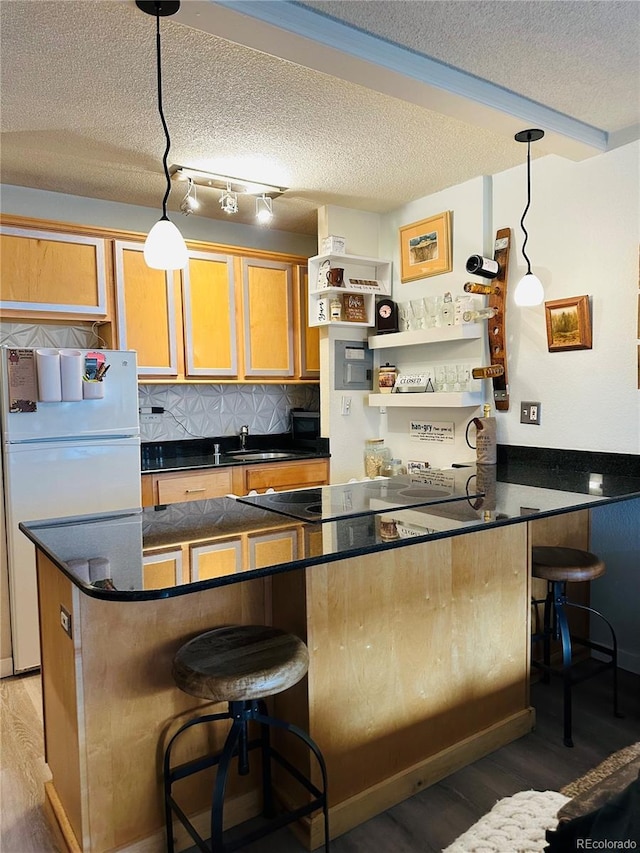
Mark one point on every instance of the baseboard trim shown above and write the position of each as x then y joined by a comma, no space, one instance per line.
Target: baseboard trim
390,792
6,667
58,821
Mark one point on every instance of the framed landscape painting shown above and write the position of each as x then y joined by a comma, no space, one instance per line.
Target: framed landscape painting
568,324
425,247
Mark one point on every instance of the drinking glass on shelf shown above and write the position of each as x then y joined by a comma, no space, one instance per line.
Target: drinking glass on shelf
440,382
463,374
450,377
435,310
404,316
417,312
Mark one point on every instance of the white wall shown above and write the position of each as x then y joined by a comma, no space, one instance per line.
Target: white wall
584,229
23,201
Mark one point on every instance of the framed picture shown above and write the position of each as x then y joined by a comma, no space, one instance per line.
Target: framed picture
425,247
568,324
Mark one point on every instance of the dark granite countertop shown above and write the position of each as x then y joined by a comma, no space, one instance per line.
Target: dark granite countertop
184,455
104,555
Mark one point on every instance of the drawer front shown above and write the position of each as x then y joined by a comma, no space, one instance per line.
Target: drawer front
287,475
194,487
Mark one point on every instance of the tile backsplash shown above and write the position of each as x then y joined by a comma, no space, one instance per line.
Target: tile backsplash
195,411
191,411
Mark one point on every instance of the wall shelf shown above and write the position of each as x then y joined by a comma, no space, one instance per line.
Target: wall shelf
466,331
453,400
355,267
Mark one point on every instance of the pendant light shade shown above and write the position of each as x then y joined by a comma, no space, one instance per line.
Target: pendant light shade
164,248
529,290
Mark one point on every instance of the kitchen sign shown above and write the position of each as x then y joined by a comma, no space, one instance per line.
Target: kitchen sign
433,432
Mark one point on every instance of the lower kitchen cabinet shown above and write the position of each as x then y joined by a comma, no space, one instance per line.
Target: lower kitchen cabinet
203,483
215,559
196,485
161,569
285,475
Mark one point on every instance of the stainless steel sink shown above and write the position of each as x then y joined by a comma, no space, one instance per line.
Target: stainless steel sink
249,455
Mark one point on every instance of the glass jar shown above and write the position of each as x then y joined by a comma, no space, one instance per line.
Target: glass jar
376,455
392,468
387,375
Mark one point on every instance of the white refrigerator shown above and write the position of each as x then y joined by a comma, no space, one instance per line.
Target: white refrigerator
64,458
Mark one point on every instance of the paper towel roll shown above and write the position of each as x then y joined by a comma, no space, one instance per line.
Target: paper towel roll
99,569
71,367
49,378
80,567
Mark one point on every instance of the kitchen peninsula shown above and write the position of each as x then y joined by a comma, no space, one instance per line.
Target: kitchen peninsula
413,598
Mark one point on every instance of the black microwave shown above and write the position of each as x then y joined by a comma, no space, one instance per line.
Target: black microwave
305,425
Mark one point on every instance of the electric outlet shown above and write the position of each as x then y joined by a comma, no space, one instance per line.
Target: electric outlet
65,620
150,418
530,413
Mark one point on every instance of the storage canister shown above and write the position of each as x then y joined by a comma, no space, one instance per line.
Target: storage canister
386,378
376,456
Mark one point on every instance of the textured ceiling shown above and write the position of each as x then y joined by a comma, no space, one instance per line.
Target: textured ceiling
79,110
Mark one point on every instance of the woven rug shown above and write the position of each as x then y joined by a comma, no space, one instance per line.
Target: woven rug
515,824
610,765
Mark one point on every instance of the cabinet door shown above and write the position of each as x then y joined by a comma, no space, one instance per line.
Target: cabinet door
216,559
268,317
269,549
146,311
55,273
161,570
309,335
209,315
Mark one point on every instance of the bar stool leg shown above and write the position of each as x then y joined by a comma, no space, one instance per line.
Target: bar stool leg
268,807
231,743
549,616
565,639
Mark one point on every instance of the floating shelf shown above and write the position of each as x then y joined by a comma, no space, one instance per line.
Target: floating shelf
355,266
441,400
466,331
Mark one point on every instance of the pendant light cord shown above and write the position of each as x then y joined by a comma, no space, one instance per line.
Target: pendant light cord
164,123
526,235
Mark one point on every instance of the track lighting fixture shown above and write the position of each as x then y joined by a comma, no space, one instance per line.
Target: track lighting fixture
190,201
264,210
164,248
228,200
529,290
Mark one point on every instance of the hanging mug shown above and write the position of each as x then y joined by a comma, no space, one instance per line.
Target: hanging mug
335,277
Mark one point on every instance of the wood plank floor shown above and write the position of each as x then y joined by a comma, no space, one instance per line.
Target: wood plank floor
426,823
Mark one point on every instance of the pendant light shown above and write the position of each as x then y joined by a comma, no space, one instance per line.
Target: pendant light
529,290
164,248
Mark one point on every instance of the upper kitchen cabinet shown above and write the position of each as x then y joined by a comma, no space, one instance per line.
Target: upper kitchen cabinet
267,309
147,319
208,299
186,330
309,335
48,273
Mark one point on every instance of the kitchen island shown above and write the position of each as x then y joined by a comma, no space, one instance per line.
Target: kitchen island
413,598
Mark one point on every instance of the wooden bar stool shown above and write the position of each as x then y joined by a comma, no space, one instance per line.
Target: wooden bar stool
241,665
560,566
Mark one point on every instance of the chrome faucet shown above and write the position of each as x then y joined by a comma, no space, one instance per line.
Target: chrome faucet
244,432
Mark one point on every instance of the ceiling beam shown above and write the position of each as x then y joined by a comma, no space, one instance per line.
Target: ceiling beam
297,34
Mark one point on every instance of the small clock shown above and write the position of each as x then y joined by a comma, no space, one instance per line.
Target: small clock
386,316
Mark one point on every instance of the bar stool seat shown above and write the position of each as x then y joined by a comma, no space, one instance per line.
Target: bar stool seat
241,665
560,566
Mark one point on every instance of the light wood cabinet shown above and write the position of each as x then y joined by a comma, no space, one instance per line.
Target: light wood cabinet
196,485
285,475
309,335
161,569
202,483
215,559
54,273
147,320
267,303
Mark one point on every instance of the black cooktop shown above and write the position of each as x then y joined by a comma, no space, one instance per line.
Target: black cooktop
332,503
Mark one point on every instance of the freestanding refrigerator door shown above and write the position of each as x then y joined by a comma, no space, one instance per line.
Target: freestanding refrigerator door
53,480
